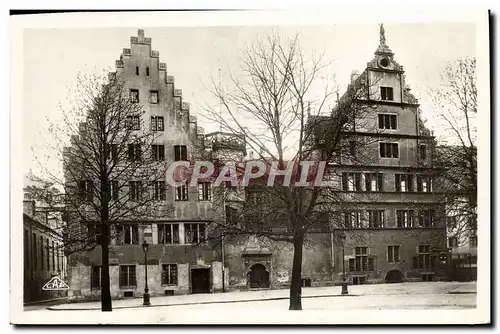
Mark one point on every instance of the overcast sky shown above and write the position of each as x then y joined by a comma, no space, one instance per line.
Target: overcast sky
54,57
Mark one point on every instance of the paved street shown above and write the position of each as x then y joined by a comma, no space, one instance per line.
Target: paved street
258,305
423,290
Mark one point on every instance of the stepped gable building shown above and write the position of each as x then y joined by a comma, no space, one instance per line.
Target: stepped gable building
175,265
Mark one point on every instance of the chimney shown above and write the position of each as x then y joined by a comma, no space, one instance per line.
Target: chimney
354,76
140,35
29,208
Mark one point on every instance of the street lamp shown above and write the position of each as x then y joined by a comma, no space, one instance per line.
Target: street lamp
344,281
146,290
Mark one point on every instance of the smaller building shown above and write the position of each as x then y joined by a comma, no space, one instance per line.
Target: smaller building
43,254
462,241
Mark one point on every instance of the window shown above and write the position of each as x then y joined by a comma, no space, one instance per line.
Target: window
47,247
180,153
351,181
352,148
127,234
58,257
426,218
153,96
424,183
114,190
359,280
451,222
94,231
158,152
159,190
204,191
387,121
389,150
352,219
133,123
473,241
134,152
169,274
404,182
452,242
361,261
147,71
85,190
26,247
135,190
113,152
392,254
134,93
423,258
405,218
181,193
95,277
34,251
128,294
157,123
374,181
127,276
137,70
376,218
422,151
53,255
386,93
42,260
168,233
427,277
194,233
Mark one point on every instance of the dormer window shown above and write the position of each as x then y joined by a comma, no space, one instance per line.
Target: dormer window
386,93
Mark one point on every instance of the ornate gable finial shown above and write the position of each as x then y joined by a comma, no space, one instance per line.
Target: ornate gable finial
382,34
383,48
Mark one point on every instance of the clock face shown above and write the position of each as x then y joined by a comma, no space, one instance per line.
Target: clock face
384,62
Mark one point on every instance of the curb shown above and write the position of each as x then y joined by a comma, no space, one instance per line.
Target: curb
462,292
196,303
44,301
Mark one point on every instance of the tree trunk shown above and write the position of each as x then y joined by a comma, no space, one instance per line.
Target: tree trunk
105,288
296,284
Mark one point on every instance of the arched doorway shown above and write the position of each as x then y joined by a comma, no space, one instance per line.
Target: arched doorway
394,276
258,276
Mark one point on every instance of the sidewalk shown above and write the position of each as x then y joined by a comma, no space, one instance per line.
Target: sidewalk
265,295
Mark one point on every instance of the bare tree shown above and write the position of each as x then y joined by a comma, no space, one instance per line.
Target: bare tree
113,172
456,102
270,106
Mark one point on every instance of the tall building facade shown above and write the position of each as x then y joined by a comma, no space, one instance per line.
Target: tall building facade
395,219
178,261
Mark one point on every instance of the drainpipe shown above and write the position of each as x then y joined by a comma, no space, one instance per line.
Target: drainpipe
222,247
223,278
333,256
